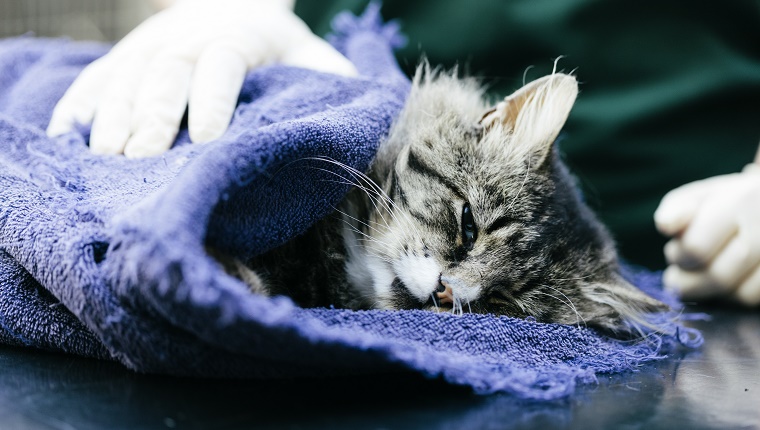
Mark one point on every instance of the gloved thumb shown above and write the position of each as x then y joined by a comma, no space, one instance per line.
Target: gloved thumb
316,54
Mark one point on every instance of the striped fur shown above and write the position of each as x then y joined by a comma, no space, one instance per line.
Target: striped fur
398,240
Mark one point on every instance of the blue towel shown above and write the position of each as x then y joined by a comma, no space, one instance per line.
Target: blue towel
104,256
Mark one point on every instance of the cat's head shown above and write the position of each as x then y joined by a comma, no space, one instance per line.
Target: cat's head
486,218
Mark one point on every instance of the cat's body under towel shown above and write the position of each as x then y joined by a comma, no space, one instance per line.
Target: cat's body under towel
105,257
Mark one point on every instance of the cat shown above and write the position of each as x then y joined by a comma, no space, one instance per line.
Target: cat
466,208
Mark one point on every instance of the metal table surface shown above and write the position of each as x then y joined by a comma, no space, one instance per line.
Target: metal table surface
716,387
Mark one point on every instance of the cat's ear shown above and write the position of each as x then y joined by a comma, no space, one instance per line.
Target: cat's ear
619,308
534,115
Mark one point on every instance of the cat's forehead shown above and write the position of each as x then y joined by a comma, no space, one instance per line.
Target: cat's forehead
460,173
460,148
453,136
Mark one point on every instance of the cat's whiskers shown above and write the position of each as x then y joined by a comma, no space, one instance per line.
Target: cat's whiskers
383,253
456,306
520,304
379,199
371,239
378,191
374,196
578,278
386,251
409,229
368,225
570,303
358,221
346,181
435,303
567,302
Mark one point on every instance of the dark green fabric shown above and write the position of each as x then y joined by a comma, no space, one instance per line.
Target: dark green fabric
670,90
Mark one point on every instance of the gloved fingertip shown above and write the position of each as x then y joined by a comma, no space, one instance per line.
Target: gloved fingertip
105,149
749,296
673,215
670,279
672,251
141,150
147,143
669,222
691,285
677,254
343,68
107,140
748,292
316,54
204,133
58,127
56,131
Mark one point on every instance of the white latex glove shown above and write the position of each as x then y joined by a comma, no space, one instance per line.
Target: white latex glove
716,228
194,53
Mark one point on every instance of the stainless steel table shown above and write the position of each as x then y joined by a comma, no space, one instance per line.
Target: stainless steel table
717,387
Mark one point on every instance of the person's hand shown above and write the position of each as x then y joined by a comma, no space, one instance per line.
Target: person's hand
715,225
195,53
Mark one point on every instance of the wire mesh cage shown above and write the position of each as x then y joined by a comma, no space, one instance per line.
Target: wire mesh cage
107,20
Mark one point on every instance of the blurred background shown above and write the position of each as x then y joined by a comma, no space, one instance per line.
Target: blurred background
106,20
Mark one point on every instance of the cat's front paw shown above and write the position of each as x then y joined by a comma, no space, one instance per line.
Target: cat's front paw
237,269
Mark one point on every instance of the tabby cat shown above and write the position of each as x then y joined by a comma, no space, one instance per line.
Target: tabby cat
465,209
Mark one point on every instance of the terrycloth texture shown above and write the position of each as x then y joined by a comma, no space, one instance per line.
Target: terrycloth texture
104,256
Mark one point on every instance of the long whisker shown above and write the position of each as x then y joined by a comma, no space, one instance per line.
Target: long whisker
374,198
356,173
377,194
369,226
435,303
365,237
577,278
367,191
567,302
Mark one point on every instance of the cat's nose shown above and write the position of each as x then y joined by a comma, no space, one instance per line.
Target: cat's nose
444,292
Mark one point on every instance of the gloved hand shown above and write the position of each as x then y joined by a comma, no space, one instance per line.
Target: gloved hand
194,53
715,251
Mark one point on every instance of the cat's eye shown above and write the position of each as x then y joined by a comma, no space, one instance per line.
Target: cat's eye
469,230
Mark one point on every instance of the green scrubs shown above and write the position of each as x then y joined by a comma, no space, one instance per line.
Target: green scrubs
670,90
